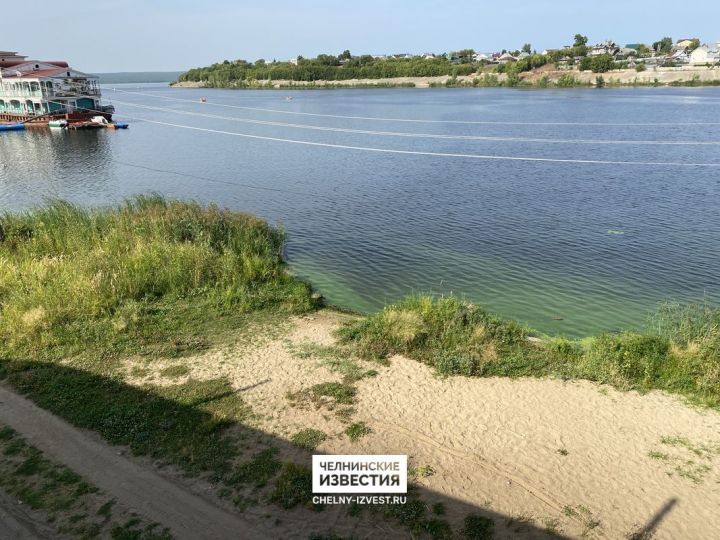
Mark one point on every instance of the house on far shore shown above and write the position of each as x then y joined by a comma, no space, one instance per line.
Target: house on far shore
626,53
685,43
653,61
506,58
564,63
678,57
606,47
482,57
704,55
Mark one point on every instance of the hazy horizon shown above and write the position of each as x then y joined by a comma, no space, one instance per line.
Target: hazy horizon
132,36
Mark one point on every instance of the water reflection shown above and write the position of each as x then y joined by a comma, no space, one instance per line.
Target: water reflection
40,163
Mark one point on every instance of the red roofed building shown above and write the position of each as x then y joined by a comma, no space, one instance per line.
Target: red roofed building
39,91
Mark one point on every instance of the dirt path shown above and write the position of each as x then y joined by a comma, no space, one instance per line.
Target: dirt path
17,524
187,515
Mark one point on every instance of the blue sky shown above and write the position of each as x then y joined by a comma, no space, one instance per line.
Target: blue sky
147,35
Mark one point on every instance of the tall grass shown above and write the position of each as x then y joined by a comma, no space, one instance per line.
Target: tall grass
72,278
679,352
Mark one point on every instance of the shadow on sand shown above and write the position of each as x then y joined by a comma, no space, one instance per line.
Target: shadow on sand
200,430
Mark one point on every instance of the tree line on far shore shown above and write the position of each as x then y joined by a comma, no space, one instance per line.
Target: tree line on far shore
346,66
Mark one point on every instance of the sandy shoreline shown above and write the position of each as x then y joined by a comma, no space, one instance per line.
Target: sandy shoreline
572,457
627,77
539,458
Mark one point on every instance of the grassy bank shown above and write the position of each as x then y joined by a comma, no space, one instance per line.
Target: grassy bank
125,279
81,290
679,352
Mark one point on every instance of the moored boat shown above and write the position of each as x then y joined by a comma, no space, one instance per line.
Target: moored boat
12,127
58,124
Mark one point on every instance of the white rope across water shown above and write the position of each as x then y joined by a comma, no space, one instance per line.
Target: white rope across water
423,153
424,135
417,120
417,152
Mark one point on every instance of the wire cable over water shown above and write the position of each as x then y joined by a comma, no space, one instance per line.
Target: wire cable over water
435,154
420,120
421,135
417,152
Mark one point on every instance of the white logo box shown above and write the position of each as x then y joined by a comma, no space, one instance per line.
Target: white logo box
359,474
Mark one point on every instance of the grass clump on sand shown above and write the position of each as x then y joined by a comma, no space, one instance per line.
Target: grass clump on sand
258,471
678,352
145,272
477,527
357,431
309,439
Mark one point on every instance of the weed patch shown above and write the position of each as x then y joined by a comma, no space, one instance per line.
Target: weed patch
262,468
357,431
309,439
293,486
477,527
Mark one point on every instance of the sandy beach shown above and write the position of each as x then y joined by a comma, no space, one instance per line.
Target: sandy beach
572,458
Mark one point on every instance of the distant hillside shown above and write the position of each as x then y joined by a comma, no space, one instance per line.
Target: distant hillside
139,77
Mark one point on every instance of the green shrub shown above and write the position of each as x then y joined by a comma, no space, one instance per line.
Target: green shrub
442,332
627,360
566,80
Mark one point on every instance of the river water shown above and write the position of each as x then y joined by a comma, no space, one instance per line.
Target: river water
613,206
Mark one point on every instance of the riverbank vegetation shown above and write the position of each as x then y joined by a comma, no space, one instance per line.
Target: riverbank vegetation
126,279
166,278
678,352
88,296
330,70
84,294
